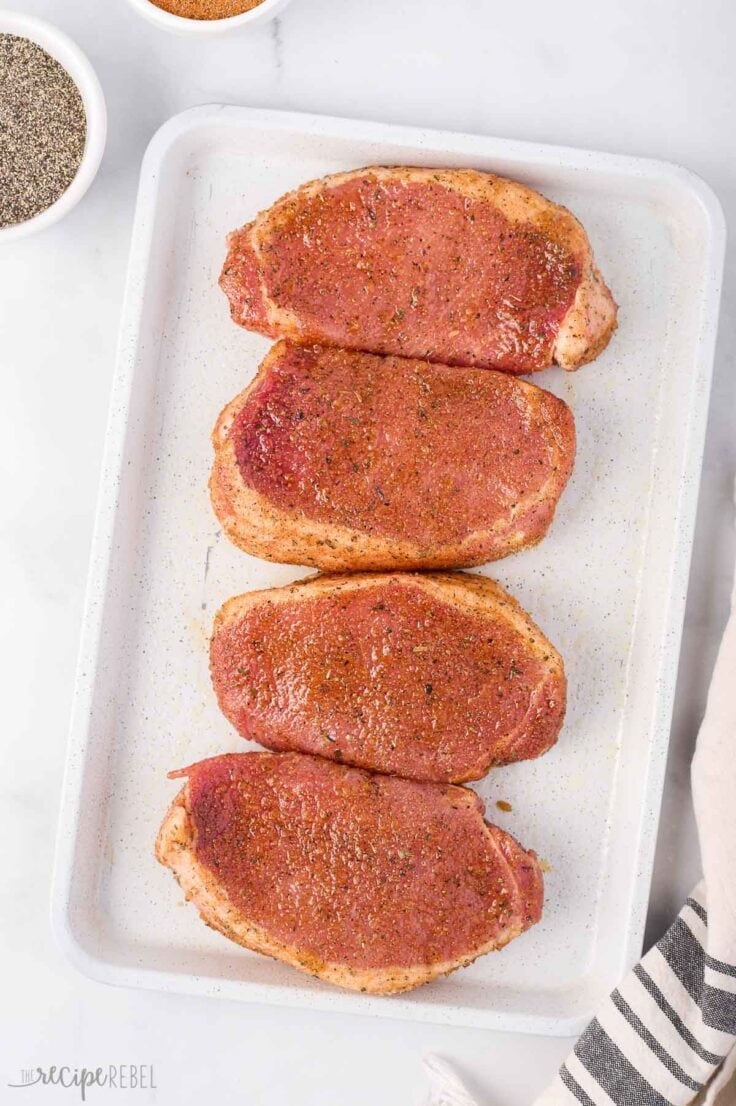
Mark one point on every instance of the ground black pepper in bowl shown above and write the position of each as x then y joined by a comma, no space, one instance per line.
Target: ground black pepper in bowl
43,129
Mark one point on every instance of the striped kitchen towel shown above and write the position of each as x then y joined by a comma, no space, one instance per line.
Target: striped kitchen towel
667,1034
668,1028
664,1032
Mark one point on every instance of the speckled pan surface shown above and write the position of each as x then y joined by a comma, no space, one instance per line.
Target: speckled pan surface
607,585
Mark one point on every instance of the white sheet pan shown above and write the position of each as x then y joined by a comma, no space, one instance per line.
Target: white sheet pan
608,584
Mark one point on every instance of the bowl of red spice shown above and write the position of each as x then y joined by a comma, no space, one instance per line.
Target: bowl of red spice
207,17
53,124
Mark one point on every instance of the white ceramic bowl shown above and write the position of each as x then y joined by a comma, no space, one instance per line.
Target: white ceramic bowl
68,54
264,11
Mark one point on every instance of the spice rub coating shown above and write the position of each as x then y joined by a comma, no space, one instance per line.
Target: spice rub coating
451,265
207,9
373,883
344,460
433,677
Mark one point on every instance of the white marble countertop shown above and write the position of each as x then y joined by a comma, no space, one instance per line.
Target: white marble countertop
651,77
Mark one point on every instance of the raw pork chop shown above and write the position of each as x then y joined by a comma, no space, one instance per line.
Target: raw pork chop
343,460
371,882
451,265
434,677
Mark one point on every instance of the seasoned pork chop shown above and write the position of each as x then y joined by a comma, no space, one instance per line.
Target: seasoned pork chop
434,677
370,882
344,460
450,265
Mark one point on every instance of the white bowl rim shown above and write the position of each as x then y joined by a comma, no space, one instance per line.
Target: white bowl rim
75,61
180,24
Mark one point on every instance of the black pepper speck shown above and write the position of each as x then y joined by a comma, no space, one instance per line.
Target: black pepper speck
43,130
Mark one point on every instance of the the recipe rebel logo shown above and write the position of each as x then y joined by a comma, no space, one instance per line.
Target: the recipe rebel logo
113,1077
